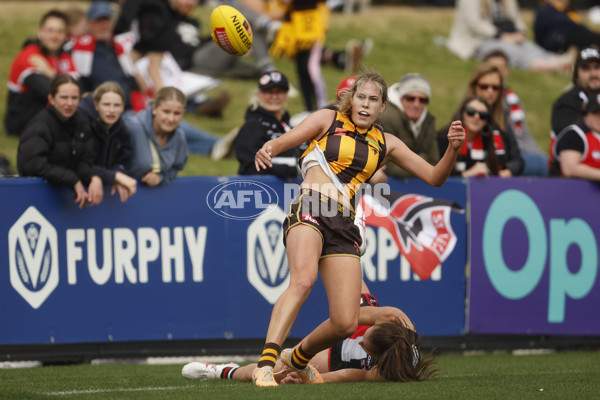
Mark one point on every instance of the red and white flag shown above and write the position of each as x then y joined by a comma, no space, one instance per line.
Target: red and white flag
420,226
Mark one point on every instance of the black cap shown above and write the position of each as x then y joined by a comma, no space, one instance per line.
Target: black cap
584,56
273,79
593,103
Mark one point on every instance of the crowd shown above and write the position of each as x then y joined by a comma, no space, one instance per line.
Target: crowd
88,119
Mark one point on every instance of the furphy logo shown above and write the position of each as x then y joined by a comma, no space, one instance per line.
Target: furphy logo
33,257
267,265
241,199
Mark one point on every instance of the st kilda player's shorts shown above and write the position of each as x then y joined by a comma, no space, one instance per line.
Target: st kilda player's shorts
333,221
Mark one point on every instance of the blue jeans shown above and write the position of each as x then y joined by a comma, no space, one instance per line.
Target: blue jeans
198,141
535,164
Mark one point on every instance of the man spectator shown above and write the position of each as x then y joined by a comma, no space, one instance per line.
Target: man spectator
568,107
99,58
576,147
407,117
35,66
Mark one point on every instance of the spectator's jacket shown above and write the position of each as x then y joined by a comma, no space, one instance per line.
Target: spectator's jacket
58,149
112,146
28,87
505,145
551,27
567,109
161,29
173,156
260,127
578,137
395,122
100,62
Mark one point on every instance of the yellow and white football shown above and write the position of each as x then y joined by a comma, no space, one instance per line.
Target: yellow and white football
230,30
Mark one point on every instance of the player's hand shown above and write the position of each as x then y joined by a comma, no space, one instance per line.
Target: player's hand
456,135
262,159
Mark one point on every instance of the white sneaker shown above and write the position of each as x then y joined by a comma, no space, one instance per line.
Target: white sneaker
201,370
224,146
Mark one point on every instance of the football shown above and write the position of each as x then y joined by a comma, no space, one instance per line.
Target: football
230,30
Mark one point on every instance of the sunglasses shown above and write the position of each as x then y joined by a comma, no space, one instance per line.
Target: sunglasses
485,86
483,115
422,100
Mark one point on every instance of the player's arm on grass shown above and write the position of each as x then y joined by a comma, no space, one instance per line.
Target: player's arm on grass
379,315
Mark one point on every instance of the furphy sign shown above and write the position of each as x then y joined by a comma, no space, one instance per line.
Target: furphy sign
534,263
125,253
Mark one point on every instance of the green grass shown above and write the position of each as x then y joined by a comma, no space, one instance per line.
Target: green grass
569,375
403,43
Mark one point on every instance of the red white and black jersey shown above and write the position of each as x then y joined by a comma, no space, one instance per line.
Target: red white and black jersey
580,138
348,353
22,67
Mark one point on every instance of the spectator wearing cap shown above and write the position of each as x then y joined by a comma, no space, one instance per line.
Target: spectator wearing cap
99,58
408,118
38,62
266,119
576,150
568,107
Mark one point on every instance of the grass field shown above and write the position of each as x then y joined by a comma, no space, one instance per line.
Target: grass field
403,39
569,375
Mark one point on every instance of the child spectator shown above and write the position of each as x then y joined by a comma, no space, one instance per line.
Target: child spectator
57,144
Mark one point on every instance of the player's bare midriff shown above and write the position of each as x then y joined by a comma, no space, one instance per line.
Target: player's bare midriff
316,179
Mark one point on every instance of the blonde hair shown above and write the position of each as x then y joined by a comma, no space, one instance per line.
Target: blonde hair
168,93
108,87
344,104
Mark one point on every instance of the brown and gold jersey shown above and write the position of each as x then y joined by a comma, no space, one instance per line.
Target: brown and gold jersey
353,154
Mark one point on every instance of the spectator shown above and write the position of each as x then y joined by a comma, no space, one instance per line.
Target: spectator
112,144
575,150
557,27
35,66
586,77
480,155
167,25
267,119
407,117
568,107
159,147
488,82
77,25
100,58
483,26
536,162
57,144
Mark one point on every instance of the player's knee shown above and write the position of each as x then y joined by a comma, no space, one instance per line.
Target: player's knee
301,286
344,327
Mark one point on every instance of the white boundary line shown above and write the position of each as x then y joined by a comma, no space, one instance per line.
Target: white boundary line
142,389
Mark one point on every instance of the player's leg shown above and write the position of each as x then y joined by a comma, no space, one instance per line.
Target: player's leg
342,279
304,245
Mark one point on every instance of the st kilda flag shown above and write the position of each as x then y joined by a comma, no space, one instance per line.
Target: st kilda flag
420,226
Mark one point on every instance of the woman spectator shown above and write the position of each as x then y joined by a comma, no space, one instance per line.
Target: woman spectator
57,144
487,82
266,119
159,147
479,155
111,139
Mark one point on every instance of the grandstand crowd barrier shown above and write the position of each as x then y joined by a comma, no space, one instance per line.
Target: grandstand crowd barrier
203,259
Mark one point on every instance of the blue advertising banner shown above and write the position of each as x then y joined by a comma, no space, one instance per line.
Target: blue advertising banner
200,259
534,256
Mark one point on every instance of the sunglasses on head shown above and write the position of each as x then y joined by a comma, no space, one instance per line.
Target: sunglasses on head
422,100
485,86
483,115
